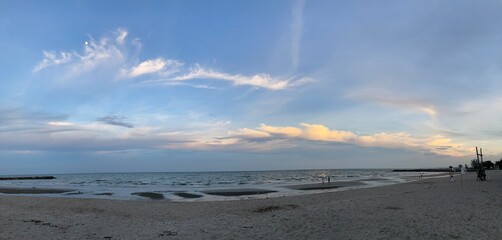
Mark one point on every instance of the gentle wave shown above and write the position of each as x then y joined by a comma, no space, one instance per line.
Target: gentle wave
122,185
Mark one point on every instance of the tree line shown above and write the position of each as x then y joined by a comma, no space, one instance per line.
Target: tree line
486,164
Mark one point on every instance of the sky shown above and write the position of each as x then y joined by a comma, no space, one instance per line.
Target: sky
134,86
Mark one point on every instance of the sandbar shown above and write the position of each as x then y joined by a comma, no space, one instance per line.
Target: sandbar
150,195
231,192
187,195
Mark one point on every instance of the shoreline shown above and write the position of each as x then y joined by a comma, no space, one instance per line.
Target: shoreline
215,194
209,186
433,208
210,194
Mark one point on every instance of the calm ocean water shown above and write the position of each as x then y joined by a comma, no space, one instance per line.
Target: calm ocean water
122,185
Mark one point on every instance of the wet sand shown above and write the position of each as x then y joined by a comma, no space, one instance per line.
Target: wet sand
321,186
432,208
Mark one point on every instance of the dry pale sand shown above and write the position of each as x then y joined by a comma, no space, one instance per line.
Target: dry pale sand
425,209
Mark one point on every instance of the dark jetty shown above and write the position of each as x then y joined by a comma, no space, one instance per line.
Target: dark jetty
34,190
28,178
423,170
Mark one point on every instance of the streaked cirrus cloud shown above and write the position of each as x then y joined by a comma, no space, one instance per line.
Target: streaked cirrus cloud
111,53
257,80
159,65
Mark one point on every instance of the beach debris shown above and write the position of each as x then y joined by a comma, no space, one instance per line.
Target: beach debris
42,223
268,209
168,233
275,208
393,208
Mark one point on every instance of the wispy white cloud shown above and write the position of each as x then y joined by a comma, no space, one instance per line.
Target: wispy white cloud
52,58
177,83
161,66
95,54
385,97
247,133
99,53
121,35
258,80
111,54
59,123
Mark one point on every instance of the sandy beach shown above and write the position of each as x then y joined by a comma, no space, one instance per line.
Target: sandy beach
434,208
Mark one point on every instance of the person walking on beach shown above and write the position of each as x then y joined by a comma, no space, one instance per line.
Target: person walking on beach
481,175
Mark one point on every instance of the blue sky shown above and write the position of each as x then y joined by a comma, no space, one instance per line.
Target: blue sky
108,86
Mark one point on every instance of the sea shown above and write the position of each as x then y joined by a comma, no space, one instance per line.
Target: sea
123,186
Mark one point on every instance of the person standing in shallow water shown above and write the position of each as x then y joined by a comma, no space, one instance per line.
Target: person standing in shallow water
329,180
